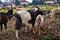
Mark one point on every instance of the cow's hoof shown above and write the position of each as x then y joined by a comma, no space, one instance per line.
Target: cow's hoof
17,37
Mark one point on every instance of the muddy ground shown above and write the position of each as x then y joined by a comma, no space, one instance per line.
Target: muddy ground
50,28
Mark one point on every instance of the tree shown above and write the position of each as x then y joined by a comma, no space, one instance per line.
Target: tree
17,3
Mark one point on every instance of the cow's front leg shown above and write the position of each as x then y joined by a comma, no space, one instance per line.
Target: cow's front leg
16,31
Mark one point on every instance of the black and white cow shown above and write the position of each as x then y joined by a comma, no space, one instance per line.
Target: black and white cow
22,17
26,17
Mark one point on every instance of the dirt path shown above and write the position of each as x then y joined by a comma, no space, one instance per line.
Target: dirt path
11,36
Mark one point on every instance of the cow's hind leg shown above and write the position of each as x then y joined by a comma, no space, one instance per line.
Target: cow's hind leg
16,31
5,25
1,27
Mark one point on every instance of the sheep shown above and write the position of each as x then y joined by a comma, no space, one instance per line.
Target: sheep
54,12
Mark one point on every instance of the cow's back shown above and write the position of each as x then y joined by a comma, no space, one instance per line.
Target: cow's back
25,16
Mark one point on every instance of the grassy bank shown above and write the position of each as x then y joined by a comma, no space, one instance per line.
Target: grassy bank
29,7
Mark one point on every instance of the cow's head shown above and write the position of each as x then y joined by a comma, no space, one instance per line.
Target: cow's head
35,8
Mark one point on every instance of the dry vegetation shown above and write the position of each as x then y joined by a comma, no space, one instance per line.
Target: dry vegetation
50,28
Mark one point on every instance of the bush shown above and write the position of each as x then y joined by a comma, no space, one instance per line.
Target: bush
49,37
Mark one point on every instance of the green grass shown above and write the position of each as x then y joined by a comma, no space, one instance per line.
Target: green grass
14,11
7,10
3,10
49,7
45,7
29,7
